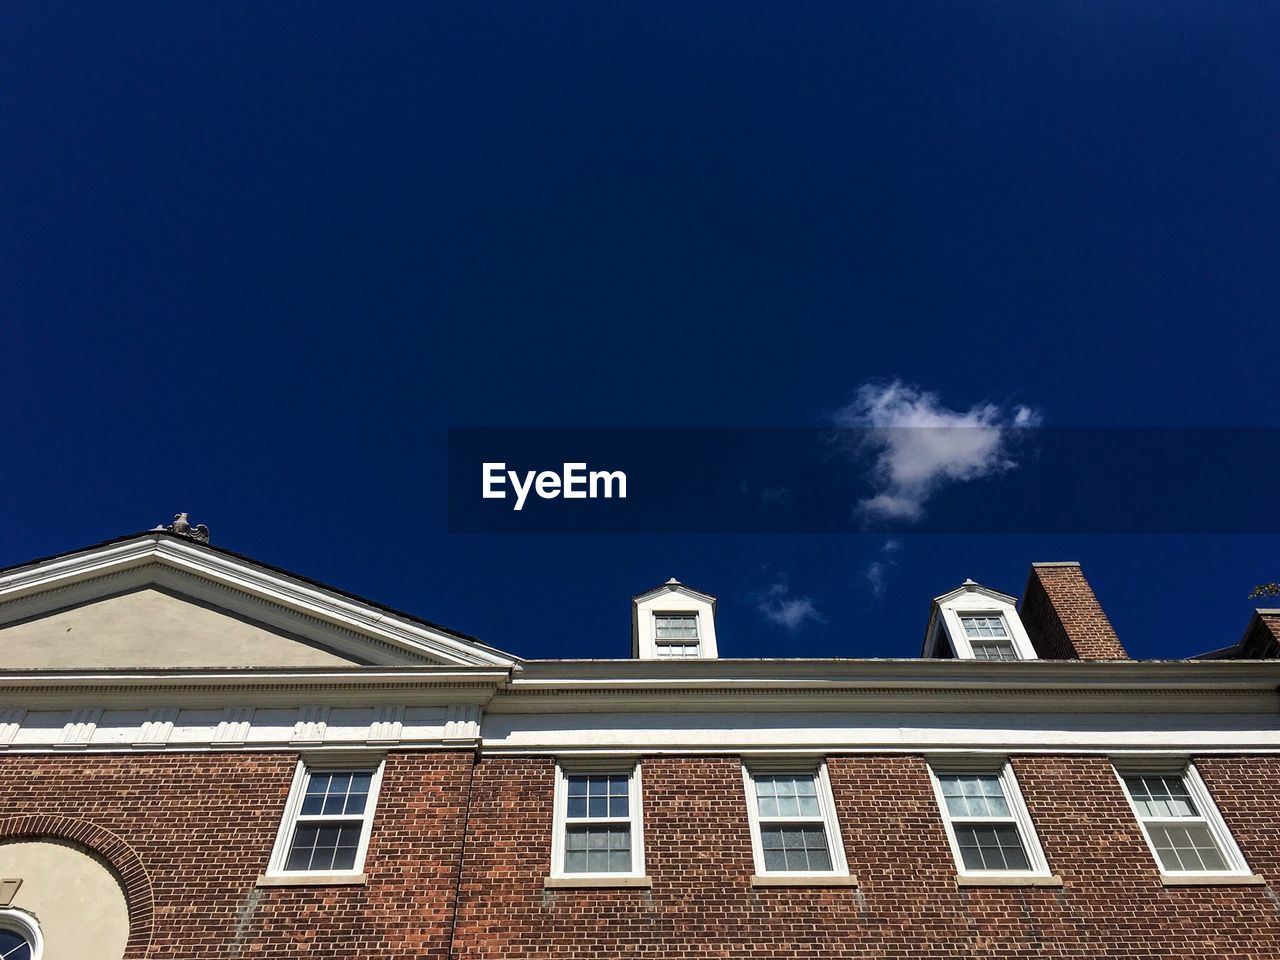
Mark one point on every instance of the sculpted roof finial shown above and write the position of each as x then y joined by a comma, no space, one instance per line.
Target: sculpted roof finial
183,527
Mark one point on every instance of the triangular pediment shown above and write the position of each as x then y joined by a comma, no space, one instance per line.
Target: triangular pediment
160,601
151,628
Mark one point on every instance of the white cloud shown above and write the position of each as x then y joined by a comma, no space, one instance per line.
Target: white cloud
921,445
877,571
782,608
875,574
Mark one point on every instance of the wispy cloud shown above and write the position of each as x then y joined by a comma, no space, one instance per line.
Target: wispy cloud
876,572
783,608
920,445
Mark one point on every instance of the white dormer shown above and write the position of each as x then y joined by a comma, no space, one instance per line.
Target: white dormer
673,622
974,622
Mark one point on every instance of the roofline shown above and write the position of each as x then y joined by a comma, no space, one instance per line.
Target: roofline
310,581
671,588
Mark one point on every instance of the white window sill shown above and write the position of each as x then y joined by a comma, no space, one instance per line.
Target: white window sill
312,880
977,880
792,880
571,883
1212,880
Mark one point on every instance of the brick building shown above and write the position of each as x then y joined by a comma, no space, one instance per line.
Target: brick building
202,756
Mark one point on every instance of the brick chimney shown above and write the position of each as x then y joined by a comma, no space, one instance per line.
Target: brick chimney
1063,617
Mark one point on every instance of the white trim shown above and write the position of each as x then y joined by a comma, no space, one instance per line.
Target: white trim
826,815
1020,817
672,599
293,814
25,925
973,599
326,616
1209,816
634,818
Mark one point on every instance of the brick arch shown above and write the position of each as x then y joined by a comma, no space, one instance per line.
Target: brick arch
119,856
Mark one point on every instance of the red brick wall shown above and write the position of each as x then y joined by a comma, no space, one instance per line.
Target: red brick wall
1063,617
702,904
203,826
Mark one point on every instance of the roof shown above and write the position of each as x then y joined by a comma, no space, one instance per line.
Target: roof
189,543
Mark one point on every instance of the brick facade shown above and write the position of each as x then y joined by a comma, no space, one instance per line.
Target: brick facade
202,828
1063,617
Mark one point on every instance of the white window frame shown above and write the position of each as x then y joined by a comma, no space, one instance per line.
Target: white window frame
1020,817
666,642
1209,816
946,626
293,809
24,925
635,818
827,816
962,615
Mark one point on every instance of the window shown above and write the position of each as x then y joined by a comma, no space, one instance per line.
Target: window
988,636
793,822
597,824
20,937
987,823
1182,826
327,820
676,636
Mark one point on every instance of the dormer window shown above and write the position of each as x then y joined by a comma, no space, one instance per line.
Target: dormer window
675,636
988,637
673,622
974,622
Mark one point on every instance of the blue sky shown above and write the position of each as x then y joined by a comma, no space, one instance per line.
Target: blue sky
257,260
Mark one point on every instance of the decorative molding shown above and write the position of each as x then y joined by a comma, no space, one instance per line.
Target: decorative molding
311,726
10,723
79,730
462,723
81,576
157,728
388,726
233,729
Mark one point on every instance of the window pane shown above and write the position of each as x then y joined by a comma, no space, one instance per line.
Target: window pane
974,795
14,946
795,847
336,794
983,626
598,849
598,795
994,846
787,795
1161,796
681,650
993,650
676,627
1186,847
324,846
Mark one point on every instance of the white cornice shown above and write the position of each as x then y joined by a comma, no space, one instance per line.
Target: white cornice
340,619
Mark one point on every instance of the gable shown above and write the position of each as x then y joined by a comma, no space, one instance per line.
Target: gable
154,629
158,600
